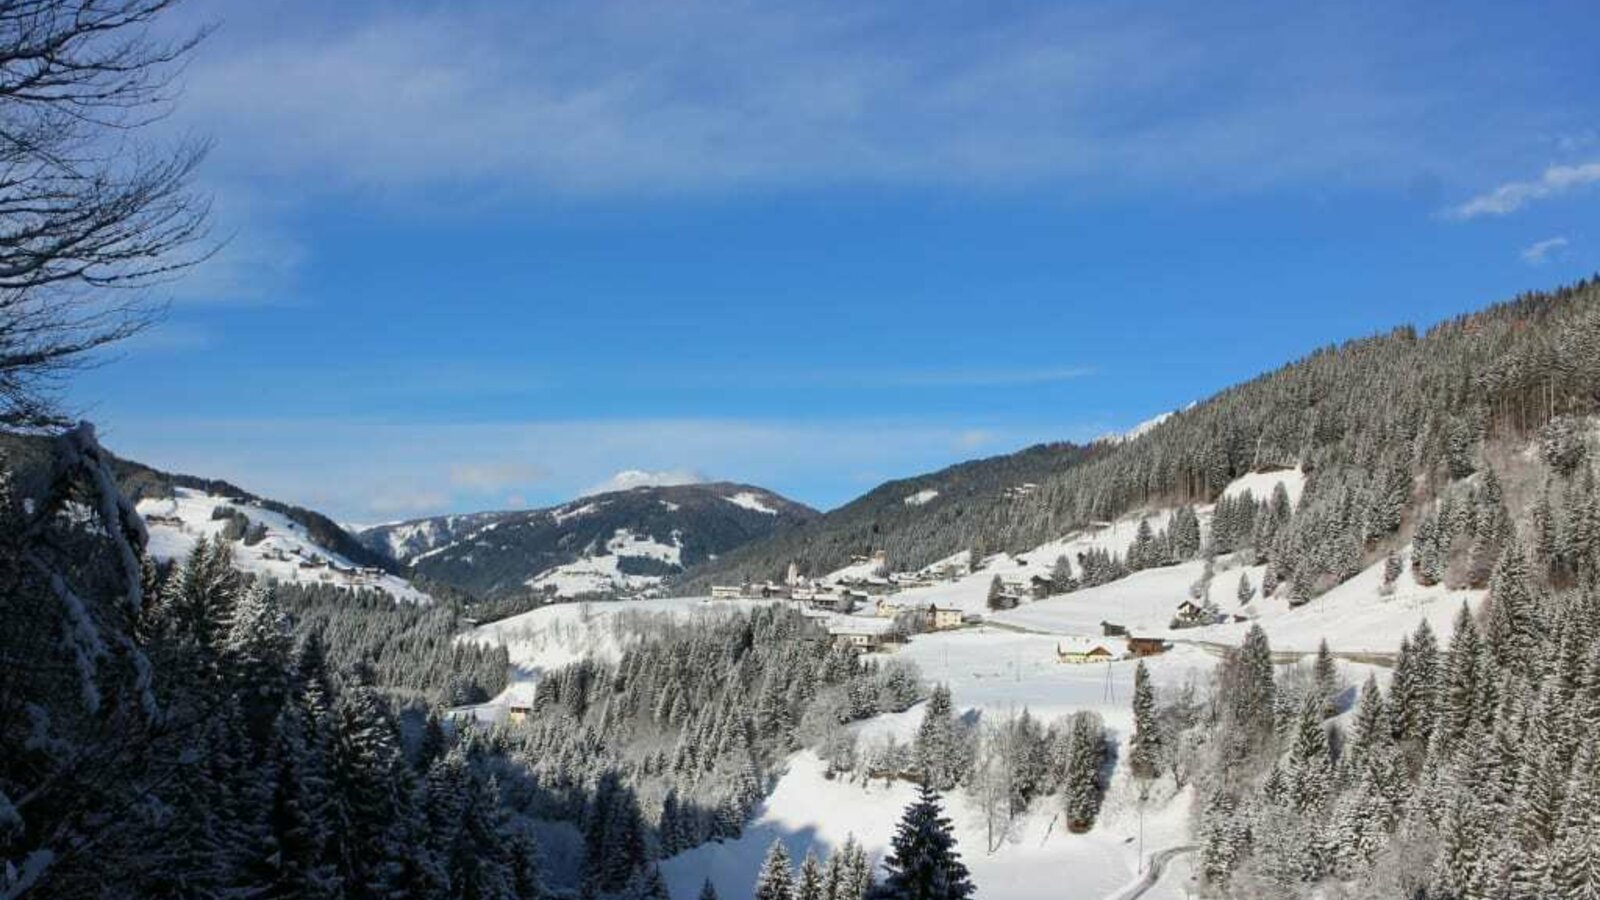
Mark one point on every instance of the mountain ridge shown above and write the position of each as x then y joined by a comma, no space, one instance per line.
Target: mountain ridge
617,542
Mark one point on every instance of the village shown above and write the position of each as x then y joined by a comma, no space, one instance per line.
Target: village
867,611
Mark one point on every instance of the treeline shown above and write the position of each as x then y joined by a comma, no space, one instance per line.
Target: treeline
166,734
675,743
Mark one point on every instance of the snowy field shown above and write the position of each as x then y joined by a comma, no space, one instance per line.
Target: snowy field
1353,617
181,521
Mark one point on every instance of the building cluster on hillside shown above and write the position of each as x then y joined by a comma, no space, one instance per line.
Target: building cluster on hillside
844,593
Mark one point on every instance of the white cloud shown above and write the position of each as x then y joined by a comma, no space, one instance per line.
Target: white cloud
628,479
1539,252
610,96
407,502
973,438
1512,196
491,477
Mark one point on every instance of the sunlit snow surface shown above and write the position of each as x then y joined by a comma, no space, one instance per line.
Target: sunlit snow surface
180,522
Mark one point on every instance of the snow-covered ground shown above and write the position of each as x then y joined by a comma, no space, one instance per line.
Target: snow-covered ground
1262,484
1040,859
751,500
563,633
177,524
593,573
1354,617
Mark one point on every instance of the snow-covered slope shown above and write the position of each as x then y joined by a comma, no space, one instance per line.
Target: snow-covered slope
1353,617
273,545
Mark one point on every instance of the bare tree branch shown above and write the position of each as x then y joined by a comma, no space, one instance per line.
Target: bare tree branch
85,205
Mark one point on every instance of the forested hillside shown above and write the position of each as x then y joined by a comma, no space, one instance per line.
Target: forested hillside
1380,424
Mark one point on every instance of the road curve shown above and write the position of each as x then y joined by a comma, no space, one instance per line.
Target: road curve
1152,875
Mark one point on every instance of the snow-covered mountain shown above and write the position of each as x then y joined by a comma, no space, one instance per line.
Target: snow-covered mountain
622,542
269,538
264,542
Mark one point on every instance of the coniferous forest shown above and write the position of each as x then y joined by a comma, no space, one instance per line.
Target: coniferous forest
177,723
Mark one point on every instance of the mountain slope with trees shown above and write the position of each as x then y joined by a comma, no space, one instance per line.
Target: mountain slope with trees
916,520
1382,426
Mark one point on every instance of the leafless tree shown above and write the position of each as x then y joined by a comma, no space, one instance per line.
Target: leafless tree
93,213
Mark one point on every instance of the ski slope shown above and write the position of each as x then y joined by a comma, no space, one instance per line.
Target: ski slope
286,554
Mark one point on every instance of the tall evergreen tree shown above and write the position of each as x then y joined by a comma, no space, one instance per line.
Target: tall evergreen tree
1145,749
776,881
923,863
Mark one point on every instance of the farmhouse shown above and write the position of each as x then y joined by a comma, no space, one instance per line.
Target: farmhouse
726,592
1190,614
942,618
1141,646
1081,650
1005,600
865,641
519,712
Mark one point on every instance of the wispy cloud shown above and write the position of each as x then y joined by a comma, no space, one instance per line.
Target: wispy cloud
1514,195
973,438
496,476
405,502
601,97
1539,252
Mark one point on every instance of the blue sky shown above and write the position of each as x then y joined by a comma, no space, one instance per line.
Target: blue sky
485,255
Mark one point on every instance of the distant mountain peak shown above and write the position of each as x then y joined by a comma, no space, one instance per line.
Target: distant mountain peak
620,542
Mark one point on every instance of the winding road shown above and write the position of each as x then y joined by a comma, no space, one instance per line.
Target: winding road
1152,875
